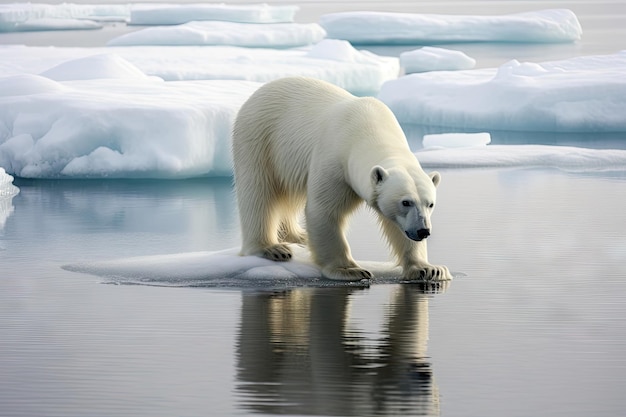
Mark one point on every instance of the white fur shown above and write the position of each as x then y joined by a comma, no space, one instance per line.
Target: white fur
300,142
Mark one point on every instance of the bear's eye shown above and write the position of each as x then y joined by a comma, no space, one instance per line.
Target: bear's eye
431,205
407,203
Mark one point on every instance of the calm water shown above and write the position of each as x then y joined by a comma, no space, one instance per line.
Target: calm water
536,327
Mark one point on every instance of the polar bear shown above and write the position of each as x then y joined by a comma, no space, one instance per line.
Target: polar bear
300,142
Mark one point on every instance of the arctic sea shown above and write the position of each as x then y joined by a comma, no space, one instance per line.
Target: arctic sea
534,324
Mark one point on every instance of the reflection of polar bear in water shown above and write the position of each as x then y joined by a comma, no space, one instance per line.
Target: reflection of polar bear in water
300,141
304,352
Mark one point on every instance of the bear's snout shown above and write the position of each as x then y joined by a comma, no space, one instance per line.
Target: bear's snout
418,235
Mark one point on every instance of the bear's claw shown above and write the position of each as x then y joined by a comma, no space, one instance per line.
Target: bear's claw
347,274
428,273
278,253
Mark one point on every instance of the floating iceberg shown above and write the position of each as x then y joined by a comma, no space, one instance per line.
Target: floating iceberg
7,189
545,26
38,16
429,58
117,127
278,35
7,192
174,14
584,94
359,72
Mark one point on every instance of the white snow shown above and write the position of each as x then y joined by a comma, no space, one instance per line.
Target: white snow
556,25
472,150
430,58
173,14
7,192
117,127
564,158
39,16
7,189
360,72
32,25
122,112
456,140
225,269
77,112
278,35
583,94
95,67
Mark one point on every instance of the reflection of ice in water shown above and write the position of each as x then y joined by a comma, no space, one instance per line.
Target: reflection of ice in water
7,192
304,352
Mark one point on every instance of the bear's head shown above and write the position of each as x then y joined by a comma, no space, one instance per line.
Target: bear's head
405,198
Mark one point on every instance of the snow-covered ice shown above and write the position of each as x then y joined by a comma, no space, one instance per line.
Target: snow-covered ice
472,150
88,112
39,16
93,67
107,112
7,189
227,269
544,26
173,14
564,158
277,35
430,58
117,127
583,94
360,72
456,140
33,25
7,192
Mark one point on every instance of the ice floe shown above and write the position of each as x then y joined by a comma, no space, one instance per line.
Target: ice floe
33,25
93,67
583,94
118,127
360,72
7,192
172,14
564,158
544,26
455,140
7,189
39,16
430,58
277,35
470,150
87,112
226,269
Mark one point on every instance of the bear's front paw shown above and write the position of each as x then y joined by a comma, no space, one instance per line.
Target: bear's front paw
427,273
347,274
279,253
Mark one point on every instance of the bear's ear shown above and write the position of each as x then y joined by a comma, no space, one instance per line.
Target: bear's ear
379,174
436,177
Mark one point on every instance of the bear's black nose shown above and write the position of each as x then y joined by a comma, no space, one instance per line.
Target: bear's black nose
423,234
